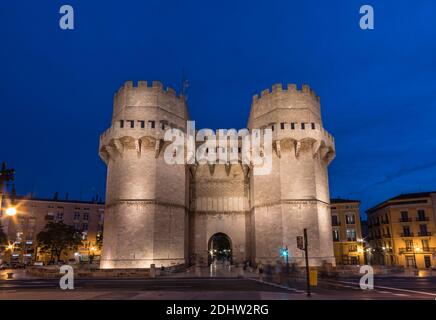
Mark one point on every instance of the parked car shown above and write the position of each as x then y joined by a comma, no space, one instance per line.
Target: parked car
4,266
17,265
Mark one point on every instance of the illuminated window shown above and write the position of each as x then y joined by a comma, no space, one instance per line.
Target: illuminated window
349,217
351,234
335,235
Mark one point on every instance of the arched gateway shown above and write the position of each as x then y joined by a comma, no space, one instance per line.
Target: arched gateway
219,248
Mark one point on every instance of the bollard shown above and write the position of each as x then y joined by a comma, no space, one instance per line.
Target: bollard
313,277
152,271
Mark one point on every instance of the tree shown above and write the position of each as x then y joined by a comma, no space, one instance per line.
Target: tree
57,237
3,236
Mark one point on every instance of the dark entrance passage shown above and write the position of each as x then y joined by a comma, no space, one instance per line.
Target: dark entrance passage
220,248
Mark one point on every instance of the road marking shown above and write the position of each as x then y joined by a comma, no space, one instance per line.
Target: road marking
401,294
278,285
397,289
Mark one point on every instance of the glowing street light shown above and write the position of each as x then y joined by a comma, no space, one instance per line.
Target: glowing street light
11,211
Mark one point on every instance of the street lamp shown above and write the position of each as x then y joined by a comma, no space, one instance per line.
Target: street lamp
285,255
415,249
11,211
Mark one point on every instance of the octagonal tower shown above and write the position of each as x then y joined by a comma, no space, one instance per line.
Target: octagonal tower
146,214
295,195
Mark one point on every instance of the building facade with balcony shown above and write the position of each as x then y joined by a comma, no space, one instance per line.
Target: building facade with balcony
347,233
402,231
31,218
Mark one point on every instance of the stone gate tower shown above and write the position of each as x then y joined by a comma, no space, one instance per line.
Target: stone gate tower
146,217
295,195
169,214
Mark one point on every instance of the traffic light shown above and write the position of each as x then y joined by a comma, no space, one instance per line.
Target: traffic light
284,252
300,242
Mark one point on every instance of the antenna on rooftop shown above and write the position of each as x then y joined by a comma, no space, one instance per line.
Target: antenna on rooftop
185,85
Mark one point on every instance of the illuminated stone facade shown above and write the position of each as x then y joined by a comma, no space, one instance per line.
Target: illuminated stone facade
167,214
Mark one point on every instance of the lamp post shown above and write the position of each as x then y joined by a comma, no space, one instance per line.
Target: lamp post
6,175
415,249
285,255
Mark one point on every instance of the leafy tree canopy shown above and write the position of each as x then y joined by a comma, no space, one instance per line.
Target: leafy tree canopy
57,237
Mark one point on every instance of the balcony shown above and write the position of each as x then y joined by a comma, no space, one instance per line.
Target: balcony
386,235
405,219
422,219
385,221
376,224
407,234
336,223
410,250
405,250
424,234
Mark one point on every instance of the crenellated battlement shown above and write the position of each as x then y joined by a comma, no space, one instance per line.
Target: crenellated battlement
291,88
144,86
146,94
289,97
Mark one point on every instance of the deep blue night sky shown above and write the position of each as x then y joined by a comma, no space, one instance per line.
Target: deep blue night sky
377,88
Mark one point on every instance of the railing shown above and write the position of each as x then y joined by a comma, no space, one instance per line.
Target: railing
386,235
422,219
407,234
336,224
424,234
404,250
405,220
423,250
385,221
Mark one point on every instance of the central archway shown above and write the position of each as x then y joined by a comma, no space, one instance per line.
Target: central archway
219,248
